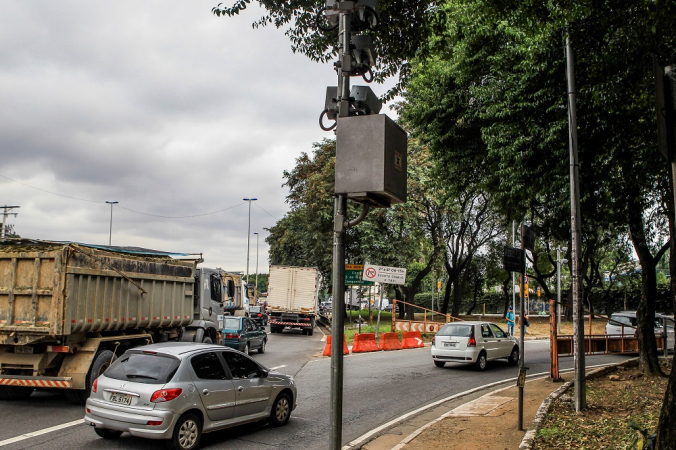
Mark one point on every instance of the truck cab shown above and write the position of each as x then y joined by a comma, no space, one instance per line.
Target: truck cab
211,291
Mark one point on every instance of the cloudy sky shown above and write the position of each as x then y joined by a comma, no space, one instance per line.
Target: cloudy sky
161,106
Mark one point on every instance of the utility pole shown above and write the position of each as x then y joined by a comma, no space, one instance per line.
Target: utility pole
256,288
110,230
578,328
7,211
248,239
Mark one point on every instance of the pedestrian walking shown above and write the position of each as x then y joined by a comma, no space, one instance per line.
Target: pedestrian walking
510,321
526,323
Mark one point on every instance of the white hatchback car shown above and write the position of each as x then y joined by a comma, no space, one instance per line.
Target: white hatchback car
473,343
626,320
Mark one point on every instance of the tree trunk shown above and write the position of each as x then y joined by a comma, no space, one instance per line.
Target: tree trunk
397,294
666,431
645,314
447,297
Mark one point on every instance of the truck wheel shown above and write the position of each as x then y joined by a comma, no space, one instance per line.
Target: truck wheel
310,331
101,362
15,392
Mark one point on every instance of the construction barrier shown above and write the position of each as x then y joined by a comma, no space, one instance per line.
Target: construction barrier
364,342
412,339
327,349
390,341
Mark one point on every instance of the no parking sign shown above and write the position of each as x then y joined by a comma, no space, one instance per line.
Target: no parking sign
386,275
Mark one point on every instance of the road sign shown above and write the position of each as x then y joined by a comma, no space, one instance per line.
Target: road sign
382,274
513,260
353,277
528,236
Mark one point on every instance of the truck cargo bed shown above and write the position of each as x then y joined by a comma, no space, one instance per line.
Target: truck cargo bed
49,288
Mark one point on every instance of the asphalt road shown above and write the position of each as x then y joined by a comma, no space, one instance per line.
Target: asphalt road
378,388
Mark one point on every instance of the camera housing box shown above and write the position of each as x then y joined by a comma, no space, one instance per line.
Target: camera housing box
371,160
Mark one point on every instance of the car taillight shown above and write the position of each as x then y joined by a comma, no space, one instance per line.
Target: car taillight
154,422
471,342
260,315
165,395
231,336
95,385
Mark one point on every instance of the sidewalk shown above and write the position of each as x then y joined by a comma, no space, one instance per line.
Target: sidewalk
486,419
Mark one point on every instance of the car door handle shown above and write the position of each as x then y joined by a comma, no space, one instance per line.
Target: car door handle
205,392
240,389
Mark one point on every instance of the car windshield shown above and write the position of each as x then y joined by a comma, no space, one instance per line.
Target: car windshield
619,320
254,309
455,330
232,323
146,368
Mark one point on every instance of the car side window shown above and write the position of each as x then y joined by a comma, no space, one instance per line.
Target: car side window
486,331
497,331
207,366
249,325
241,366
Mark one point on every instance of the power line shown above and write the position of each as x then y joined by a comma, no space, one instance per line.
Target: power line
256,204
128,209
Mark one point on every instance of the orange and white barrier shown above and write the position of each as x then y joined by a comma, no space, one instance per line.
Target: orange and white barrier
364,342
390,341
327,349
412,339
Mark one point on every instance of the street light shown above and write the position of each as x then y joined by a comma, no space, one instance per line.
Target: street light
256,288
110,234
248,237
558,284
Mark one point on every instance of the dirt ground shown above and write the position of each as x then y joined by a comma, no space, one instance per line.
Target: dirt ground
495,430
614,401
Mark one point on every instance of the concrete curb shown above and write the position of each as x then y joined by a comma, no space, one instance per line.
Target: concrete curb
529,439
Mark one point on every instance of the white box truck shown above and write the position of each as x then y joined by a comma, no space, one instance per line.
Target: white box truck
292,298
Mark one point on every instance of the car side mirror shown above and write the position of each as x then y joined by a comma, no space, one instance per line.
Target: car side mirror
264,373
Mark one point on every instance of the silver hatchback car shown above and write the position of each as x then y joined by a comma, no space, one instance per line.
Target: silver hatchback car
473,343
177,391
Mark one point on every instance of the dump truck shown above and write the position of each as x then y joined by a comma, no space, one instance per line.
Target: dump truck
292,298
67,310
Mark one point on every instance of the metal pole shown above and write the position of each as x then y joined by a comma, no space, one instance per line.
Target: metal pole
248,238
578,326
6,212
522,332
338,324
513,274
256,287
110,232
380,307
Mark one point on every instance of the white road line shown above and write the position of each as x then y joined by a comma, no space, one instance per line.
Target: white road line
278,367
41,432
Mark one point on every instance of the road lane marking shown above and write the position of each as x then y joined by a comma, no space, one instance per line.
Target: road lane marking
40,432
278,367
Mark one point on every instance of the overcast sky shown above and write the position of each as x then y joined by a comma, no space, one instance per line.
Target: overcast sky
161,106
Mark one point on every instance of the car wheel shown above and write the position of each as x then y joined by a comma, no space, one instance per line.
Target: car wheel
514,356
107,434
281,410
439,363
187,433
481,361
15,392
262,347
247,349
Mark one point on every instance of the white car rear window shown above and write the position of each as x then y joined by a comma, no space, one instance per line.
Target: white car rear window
455,330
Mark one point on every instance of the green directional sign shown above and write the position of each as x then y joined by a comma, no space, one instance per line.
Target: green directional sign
353,277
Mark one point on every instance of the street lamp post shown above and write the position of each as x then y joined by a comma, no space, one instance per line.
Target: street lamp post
256,288
248,237
558,284
110,233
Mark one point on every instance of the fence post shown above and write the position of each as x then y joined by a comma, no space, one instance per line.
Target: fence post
553,346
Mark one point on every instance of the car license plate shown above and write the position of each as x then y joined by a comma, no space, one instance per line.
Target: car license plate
116,397
450,344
